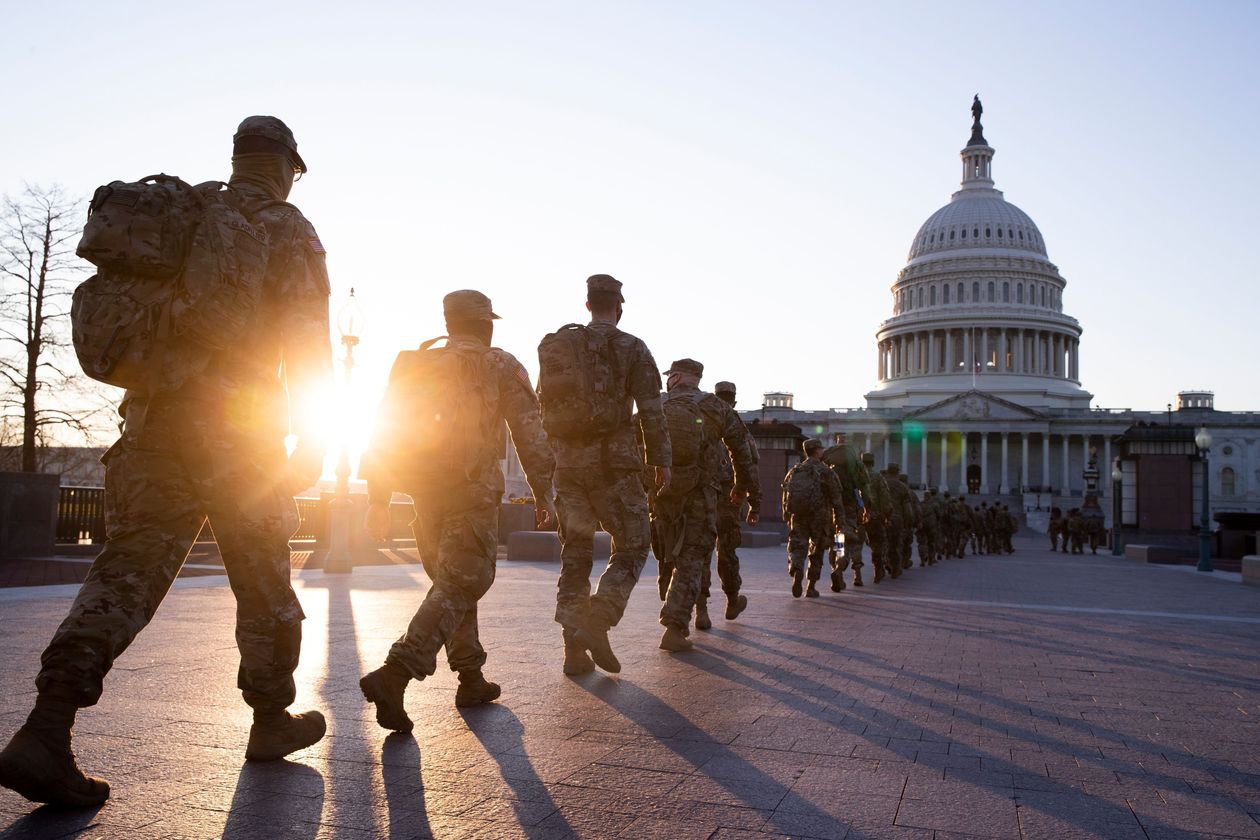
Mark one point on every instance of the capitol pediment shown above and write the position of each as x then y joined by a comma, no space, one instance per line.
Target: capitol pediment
975,405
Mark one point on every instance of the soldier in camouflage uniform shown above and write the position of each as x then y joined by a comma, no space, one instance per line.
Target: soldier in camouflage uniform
598,485
930,530
914,524
898,531
728,526
212,449
815,510
684,517
856,489
457,514
879,509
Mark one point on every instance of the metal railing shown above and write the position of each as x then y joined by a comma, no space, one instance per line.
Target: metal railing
81,515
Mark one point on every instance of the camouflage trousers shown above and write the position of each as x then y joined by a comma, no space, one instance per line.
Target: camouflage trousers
929,544
156,501
587,500
729,538
808,539
458,541
683,531
854,539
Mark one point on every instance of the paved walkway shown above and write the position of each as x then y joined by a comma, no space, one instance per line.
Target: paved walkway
1032,696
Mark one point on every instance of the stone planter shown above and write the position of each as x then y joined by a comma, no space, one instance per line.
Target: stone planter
28,514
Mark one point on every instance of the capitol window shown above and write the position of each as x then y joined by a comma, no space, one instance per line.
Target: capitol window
999,233
932,296
945,293
1228,485
1021,236
1006,291
991,290
964,236
975,234
1019,293
920,296
951,234
960,293
988,233
975,291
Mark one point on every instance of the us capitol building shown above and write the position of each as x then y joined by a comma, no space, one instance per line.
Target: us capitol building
979,381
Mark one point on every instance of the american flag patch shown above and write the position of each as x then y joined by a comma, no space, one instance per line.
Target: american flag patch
316,246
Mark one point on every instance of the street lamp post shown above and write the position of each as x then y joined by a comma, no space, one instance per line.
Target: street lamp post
339,561
1117,476
1203,440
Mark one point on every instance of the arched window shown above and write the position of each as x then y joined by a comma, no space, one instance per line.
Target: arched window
964,236
1021,236
920,296
988,233
951,235
960,293
932,296
975,233
999,233
991,298
1043,295
975,291
945,293
1019,293
1228,487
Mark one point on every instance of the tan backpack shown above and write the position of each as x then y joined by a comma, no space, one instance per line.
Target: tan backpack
181,274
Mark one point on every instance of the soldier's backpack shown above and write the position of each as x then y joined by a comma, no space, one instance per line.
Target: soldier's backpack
804,490
688,438
581,386
438,425
180,277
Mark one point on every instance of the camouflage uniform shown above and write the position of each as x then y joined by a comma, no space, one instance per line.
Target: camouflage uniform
898,533
855,490
457,523
684,526
213,449
914,523
729,537
598,485
1075,530
1057,528
880,510
930,530
812,533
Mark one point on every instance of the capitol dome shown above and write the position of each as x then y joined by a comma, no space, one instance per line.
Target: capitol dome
979,305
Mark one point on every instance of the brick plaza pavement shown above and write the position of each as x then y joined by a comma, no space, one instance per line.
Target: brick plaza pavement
1033,696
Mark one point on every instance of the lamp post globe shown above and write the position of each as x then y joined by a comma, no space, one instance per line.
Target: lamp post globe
1203,440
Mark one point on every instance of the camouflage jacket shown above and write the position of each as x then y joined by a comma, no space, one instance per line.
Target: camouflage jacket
729,441
517,405
832,495
854,480
618,450
726,469
880,503
267,386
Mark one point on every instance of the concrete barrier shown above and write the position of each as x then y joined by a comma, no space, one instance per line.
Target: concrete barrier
28,514
1163,554
759,539
1251,569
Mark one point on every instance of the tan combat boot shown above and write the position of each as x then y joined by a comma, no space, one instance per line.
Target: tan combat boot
43,769
474,689
735,604
674,640
385,687
594,637
576,660
276,734
702,614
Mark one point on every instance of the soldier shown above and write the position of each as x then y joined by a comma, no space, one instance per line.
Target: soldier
213,448
856,488
962,525
1011,526
728,526
930,530
1075,530
878,527
898,538
449,465
814,507
1095,530
589,378
1056,529
704,430
915,522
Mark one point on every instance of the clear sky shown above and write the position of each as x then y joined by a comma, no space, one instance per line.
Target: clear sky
753,172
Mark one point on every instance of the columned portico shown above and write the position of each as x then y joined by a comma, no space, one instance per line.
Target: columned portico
1003,487
984,463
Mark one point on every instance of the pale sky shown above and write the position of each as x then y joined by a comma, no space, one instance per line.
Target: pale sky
753,172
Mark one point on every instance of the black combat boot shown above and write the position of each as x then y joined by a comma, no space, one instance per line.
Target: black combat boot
857,576
798,579
474,689
811,591
837,581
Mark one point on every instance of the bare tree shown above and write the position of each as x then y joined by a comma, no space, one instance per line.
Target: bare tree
41,387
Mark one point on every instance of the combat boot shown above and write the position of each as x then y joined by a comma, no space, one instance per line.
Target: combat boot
594,637
857,576
735,604
702,614
40,766
474,689
276,734
879,572
837,581
386,687
674,640
576,660
798,580
811,591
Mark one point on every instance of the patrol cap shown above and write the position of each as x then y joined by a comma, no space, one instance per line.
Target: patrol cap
604,283
467,305
724,387
271,128
893,469
811,444
690,366
868,459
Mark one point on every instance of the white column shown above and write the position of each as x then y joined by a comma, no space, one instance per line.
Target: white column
962,463
905,454
1019,351
1045,460
868,443
923,456
1104,469
1023,476
984,350
1004,344
984,463
949,351
969,351
1067,462
944,477
932,362
1003,487
885,461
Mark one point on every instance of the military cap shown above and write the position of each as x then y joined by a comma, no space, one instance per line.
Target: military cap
724,387
868,459
272,128
467,305
811,444
892,469
604,283
687,366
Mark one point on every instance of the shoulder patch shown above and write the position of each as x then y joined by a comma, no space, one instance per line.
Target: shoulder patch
316,245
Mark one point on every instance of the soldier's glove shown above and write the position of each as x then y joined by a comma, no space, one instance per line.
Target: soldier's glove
303,469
